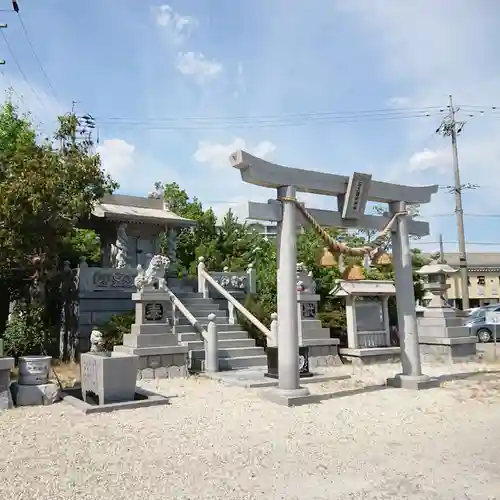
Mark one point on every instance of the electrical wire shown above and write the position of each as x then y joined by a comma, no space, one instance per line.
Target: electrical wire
484,243
9,48
28,38
144,125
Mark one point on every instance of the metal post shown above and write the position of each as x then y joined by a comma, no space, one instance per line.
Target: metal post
288,337
411,377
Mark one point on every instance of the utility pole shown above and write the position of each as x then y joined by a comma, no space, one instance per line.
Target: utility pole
449,128
441,249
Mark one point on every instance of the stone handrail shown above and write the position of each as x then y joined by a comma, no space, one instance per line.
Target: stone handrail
209,335
185,312
204,277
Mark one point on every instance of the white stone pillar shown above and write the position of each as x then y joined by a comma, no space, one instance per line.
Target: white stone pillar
386,321
411,377
288,338
352,329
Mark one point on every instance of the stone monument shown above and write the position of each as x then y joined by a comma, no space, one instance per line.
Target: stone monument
108,377
442,334
151,337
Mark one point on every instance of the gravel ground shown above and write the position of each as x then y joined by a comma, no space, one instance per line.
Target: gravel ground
220,442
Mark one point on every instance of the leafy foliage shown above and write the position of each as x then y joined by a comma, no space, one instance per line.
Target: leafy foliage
26,332
81,243
44,191
117,326
46,188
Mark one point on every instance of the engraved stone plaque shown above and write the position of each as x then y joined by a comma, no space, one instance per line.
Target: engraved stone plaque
154,311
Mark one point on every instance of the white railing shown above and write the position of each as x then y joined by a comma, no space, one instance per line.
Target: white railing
204,279
209,335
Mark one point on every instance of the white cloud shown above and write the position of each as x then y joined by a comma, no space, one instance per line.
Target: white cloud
117,157
431,159
217,155
198,66
177,27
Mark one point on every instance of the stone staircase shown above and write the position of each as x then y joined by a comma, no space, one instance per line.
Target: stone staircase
236,350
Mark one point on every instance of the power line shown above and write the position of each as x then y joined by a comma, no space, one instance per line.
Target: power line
255,124
488,216
35,53
279,119
9,48
484,243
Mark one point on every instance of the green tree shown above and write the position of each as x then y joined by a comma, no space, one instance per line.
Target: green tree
46,188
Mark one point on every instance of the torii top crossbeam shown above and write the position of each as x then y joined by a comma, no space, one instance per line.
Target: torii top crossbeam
266,174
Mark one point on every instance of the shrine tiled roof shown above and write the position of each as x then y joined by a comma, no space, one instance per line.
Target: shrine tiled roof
138,209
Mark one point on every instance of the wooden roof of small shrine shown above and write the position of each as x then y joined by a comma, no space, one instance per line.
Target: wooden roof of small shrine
124,208
363,287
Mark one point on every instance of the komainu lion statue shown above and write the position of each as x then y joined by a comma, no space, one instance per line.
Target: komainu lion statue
154,276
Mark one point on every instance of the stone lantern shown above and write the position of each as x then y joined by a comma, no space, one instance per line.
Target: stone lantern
442,335
436,285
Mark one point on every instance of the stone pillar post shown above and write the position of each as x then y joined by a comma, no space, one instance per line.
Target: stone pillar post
385,315
411,377
288,339
352,329
172,250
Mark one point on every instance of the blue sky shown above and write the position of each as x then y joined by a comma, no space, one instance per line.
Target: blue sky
148,71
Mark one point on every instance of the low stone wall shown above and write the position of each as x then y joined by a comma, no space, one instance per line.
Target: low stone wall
370,355
96,308
439,354
163,367
323,355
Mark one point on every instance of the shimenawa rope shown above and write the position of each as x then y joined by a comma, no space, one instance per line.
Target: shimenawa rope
371,249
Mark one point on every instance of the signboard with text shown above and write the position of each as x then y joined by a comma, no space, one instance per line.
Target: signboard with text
356,196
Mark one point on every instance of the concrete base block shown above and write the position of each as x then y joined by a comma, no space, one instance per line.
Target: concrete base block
164,366
413,383
296,397
371,355
35,395
142,398
448,350
323,355
255,378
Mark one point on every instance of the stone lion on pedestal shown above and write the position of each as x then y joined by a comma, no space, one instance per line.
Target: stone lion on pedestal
154,276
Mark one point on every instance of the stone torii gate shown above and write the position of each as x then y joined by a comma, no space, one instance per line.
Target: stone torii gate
352,195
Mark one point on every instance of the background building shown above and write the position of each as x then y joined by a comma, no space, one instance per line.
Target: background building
484,279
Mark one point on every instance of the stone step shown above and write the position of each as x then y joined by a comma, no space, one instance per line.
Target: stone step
230,352
226,364
220,328
223,343
189,295
227,335
205,308
196,300
203,315
202,320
